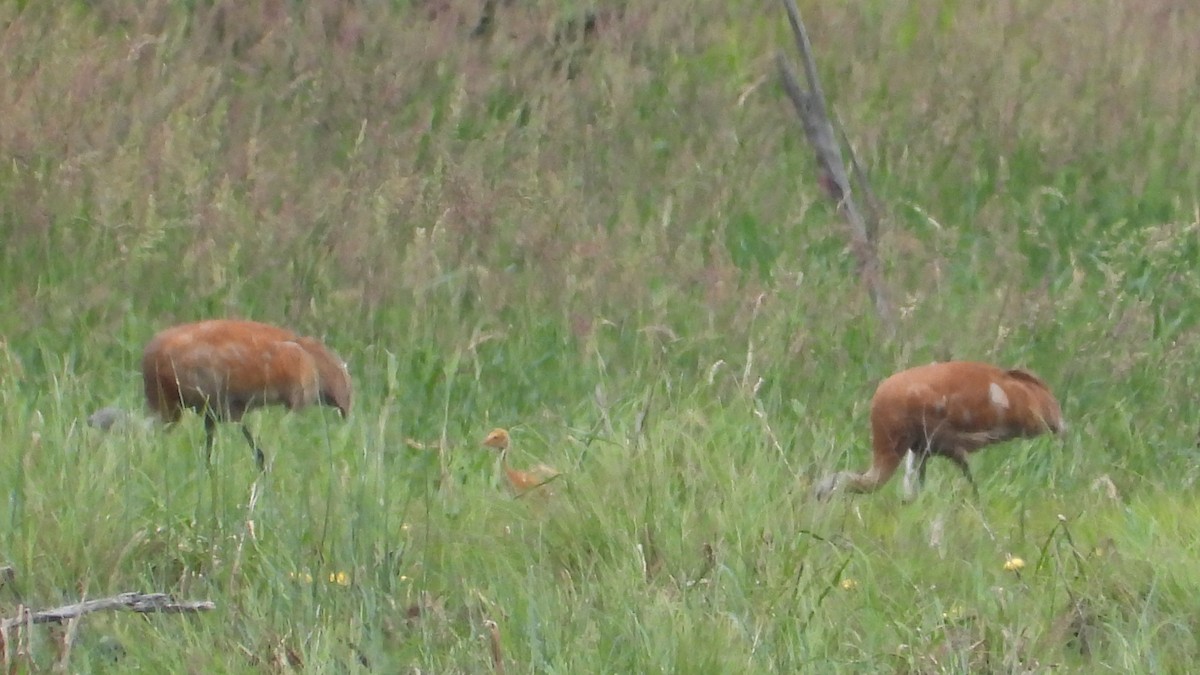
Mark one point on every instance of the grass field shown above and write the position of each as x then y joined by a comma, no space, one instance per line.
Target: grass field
611,241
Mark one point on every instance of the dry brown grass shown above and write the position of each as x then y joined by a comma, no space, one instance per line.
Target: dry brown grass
363,155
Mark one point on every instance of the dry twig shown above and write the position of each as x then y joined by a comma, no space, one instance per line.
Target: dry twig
814,117
143,603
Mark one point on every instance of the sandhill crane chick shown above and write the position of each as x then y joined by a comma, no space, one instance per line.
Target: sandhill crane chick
520,481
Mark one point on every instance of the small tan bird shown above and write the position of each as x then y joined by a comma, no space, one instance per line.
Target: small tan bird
521,482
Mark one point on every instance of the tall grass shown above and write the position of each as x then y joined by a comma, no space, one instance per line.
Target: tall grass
611,242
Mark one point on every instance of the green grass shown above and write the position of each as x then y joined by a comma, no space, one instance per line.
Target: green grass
560,240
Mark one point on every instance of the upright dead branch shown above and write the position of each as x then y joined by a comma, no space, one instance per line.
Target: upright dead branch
814,117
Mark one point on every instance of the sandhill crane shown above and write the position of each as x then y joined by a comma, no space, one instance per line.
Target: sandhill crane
520,481
223,368
948,409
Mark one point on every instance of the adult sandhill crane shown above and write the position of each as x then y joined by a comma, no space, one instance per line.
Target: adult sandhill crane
520,481
223,368
948,409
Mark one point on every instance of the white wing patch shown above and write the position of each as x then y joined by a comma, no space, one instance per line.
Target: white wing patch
999,398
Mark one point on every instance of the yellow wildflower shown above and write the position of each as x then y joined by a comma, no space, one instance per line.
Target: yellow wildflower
1014,564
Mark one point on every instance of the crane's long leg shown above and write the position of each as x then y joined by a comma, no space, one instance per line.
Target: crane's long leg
210,433
959,460
259,458
914,483
966,470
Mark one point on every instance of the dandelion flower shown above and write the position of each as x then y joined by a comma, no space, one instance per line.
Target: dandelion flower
1014,564
849,584
339,578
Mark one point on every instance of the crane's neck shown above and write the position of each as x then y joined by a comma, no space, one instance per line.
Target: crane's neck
502,462
850,481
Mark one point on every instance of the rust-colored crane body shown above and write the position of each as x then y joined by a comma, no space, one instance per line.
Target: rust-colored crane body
520,481
949,409
222,368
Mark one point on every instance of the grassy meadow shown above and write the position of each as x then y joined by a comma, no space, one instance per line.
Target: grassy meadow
608,237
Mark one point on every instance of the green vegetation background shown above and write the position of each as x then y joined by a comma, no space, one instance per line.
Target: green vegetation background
557,230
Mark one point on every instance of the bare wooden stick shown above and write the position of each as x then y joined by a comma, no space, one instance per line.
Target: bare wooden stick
68,640
814,117
143,603
6,637
871,214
